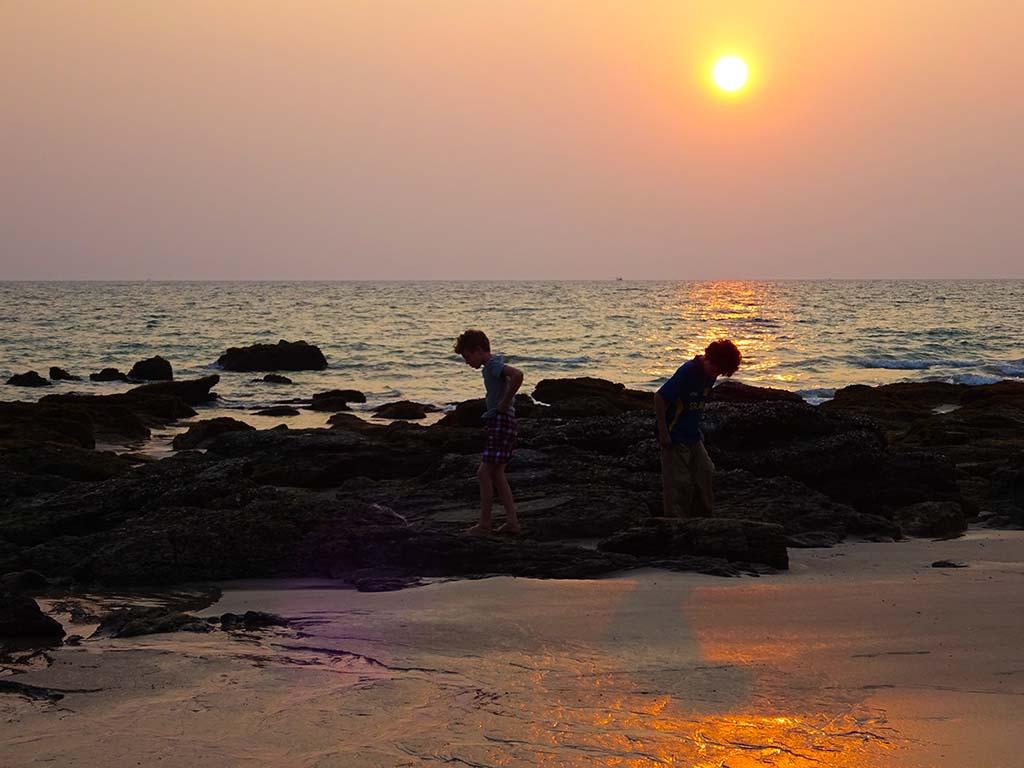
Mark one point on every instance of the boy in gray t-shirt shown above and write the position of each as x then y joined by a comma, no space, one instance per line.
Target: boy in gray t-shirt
501,383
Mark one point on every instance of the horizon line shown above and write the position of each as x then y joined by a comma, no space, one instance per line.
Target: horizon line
518,280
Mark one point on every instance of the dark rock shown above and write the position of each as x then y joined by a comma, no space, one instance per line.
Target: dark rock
79,613
348,395
278,410
45,422
201,433
351,422
336,400
894,406
152,369
843,457
108,374
59,374
132,622
741,540
932,518
1007,491
435,553
813,539
34,692
30,379
251,620
793,505
370,583
404,409
947,564
590,396
469,413
381,504
20,617
65,461
24,581
329,405
129,415
283,356
275,378
189,391
729,391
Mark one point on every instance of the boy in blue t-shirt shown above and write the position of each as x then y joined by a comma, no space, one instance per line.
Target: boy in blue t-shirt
501,382
686,468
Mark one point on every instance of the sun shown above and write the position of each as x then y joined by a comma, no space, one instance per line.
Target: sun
730,73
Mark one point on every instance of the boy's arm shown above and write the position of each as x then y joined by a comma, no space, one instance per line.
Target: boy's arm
513,381
659,410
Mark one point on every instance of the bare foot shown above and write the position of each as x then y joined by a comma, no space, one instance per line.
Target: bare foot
478,530
509,528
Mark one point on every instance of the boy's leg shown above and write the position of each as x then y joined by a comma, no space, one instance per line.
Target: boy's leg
702,471
484,475
676,485
505,494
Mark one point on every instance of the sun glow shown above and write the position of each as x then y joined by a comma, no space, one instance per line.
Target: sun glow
730,73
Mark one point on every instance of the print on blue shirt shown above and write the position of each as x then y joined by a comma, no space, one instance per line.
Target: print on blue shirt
684,396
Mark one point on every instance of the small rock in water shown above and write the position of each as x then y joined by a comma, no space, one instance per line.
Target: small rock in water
348,395
277,410
948,564
283,356
153,369
108,374
404,409
59,374
29,379
275,378
336,400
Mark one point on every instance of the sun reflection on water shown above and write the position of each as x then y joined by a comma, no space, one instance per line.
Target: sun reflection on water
751,313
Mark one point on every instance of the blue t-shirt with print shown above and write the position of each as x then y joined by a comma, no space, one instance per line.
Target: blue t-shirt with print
495,383
684,396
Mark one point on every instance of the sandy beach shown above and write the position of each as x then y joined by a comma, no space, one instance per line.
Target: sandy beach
863,655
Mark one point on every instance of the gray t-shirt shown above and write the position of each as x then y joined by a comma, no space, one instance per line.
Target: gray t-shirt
495,385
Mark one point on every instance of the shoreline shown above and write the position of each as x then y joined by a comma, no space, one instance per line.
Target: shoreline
848,655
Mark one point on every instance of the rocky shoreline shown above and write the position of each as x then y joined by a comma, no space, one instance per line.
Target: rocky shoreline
382,505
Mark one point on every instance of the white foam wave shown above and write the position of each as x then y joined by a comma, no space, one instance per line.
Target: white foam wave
817,396
975,378
910,364
554,360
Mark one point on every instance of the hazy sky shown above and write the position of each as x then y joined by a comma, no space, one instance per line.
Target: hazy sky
336,139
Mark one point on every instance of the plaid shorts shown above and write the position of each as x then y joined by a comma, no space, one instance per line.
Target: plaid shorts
501,439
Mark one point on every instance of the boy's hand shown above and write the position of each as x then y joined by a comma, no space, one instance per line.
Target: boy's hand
664,438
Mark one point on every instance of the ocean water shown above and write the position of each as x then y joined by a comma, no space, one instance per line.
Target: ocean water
393,340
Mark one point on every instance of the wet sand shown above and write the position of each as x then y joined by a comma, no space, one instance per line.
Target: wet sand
863,655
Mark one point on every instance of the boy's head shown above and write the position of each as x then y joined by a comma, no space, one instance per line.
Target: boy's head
723,357
474,346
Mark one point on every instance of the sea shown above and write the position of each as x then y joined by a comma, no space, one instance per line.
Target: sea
393,340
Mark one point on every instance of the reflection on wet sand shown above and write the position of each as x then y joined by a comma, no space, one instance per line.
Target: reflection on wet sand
600,724
665,693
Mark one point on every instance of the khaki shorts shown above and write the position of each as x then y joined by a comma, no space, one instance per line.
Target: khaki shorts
686,472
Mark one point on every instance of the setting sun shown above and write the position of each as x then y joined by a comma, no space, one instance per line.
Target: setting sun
730,73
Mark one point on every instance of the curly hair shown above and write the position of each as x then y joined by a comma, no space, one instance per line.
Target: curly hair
725,355
472,339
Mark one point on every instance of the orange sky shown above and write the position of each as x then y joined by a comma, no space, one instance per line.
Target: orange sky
509,139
